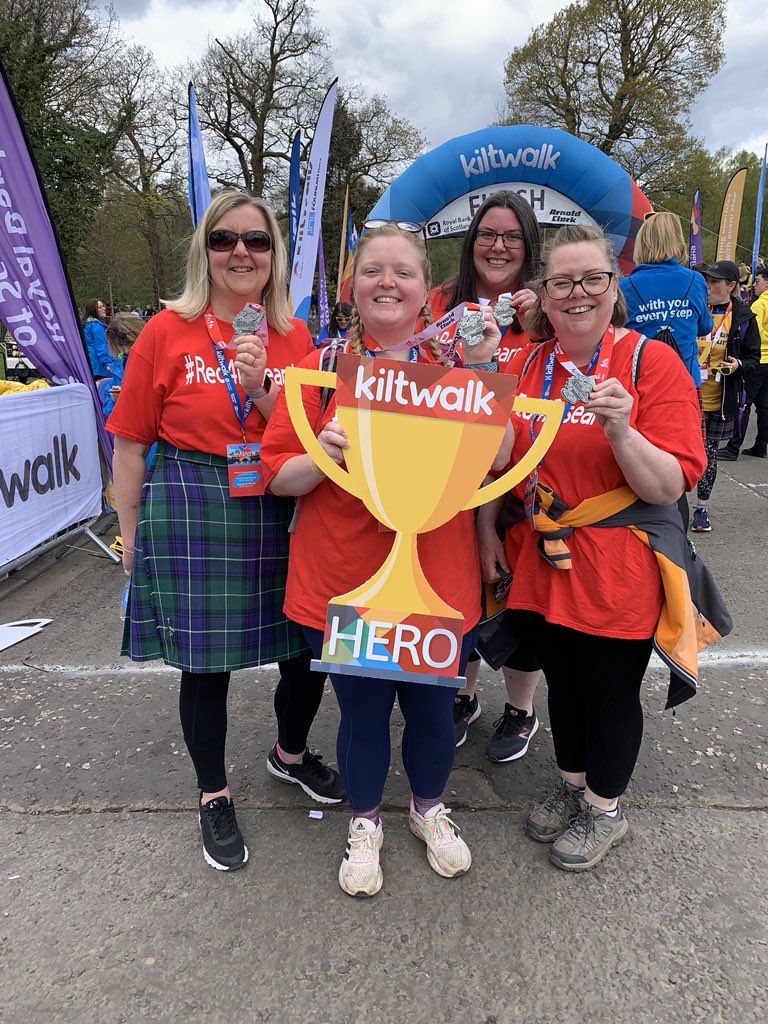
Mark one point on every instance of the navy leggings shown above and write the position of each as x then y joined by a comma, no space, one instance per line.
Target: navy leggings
363,747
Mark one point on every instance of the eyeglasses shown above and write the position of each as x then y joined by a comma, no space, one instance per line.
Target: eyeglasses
510,239
224,241
593,284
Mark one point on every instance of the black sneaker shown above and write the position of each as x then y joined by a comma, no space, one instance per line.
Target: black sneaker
757,452
466,710
223,846
513,734
315,778
727,454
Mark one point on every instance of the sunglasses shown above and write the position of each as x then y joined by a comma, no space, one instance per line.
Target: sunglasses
411,226
222,240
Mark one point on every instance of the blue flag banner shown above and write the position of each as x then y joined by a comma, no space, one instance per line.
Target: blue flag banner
323,309
199,187
696,247
759,214
36,301
351,235
294,194
305,256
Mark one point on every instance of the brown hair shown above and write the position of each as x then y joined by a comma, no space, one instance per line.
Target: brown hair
122,331
572,234
356,326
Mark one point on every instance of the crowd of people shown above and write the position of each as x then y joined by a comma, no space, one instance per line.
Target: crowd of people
654,372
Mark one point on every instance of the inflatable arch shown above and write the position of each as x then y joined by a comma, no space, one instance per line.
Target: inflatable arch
566,181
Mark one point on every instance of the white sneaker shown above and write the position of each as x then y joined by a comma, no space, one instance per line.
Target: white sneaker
360,873
447,852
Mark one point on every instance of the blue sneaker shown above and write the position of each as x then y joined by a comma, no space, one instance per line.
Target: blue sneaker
701,522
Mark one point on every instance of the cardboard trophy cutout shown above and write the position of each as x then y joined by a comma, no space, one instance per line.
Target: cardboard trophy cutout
422,438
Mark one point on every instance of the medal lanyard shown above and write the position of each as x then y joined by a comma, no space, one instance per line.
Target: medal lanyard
714,336
413,354
603,364
219,345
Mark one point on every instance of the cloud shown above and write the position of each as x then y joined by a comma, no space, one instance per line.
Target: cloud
732,111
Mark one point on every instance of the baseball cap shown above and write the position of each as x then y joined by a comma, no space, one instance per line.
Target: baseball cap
723,270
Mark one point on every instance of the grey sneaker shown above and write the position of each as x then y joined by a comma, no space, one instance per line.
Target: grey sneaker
552,818
588,839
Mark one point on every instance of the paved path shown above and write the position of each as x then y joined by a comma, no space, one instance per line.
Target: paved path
109,913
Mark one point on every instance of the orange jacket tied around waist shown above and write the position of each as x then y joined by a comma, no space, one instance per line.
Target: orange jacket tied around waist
693,614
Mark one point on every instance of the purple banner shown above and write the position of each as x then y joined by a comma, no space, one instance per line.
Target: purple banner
695,246
759,214
36,301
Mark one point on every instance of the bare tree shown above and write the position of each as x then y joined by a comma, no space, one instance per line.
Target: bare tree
255,90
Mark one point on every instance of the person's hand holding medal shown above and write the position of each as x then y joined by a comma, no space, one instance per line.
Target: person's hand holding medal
251,358
480,335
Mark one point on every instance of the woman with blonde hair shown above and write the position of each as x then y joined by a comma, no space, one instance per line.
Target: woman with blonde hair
338,545
209,564
662,295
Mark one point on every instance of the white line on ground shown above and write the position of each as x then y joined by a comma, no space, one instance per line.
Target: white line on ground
729,656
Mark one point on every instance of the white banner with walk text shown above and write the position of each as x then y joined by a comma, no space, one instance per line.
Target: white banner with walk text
50,476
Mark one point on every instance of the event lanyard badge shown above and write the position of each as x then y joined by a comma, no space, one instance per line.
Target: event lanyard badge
579,387
243,459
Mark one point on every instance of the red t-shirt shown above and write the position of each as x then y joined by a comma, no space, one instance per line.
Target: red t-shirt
173,387
338,544
512,345
614,587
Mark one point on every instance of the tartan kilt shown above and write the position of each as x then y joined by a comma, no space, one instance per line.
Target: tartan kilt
209,570
717,428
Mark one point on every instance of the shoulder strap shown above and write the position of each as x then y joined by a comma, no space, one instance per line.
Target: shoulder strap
642,341
529,359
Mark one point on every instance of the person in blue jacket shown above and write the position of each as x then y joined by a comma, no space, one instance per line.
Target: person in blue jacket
122,332
95,332
660,292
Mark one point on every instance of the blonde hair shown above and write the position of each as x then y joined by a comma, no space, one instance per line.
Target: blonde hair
537,321
129,326
356,326
660,238
196,295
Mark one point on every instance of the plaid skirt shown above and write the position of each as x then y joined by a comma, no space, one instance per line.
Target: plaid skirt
717,428
209,571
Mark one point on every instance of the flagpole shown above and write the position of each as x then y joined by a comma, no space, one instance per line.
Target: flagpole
343,243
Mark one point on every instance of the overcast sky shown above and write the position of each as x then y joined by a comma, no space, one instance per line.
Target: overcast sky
440,63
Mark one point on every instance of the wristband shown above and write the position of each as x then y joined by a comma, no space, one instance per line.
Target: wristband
317,471
490,367
266,385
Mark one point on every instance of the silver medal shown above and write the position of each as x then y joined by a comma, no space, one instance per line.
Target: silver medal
472,327
578,389
247,321
504,312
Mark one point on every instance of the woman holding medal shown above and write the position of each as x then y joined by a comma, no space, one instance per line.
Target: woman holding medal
338,545
590,598
500,256
210,557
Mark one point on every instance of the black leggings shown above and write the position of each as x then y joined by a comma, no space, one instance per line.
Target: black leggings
594,701
203,713
706,485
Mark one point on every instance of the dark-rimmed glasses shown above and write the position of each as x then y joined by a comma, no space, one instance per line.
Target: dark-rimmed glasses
222,240
595,283
485,237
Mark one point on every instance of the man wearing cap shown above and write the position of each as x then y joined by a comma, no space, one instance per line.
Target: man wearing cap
756,382
726,354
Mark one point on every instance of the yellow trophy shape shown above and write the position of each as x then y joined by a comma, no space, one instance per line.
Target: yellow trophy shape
422,438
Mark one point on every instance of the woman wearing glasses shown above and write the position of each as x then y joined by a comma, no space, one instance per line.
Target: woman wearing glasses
338,545
208,569
500,255
341,316
590,598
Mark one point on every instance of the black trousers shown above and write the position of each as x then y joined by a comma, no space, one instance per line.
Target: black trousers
594,701
756,386
203,713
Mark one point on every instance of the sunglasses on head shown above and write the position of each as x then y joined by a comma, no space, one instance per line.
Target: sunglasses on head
222,240
411,226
